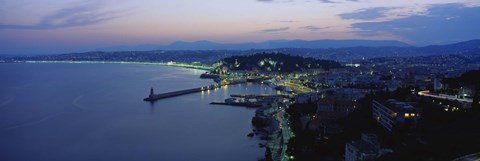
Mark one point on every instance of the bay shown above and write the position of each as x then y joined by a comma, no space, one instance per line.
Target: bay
96,112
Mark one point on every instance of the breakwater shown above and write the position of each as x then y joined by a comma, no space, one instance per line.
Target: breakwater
154,97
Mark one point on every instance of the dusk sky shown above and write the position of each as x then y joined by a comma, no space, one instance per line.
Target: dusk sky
57,26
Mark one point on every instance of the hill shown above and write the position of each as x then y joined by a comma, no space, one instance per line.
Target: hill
272,62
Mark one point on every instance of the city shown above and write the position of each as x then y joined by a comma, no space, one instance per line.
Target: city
384,83
323,101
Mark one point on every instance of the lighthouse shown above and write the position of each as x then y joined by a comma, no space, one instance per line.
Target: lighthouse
151,93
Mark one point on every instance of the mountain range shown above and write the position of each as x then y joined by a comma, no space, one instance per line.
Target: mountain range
467,50
272,44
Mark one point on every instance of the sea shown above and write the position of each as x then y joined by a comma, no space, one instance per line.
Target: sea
80,112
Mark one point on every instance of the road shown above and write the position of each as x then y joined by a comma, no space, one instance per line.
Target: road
471,157
428,94
297,88
285,130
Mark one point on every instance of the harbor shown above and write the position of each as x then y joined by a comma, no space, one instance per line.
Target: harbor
250,100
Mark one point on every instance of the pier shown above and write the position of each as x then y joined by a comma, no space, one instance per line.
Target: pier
154,97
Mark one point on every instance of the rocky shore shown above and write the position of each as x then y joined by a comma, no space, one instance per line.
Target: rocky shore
267,125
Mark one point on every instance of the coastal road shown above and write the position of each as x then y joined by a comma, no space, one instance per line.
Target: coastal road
285,129
428,94
471,157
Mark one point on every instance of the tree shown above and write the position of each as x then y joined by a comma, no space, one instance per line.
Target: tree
268,155
476,98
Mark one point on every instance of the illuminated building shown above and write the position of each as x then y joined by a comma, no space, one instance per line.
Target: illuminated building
390,112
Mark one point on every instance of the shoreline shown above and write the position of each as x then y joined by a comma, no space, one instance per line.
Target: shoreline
188,66
275,139
129,110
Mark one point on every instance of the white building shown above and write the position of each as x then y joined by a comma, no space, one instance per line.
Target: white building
367,148
390,112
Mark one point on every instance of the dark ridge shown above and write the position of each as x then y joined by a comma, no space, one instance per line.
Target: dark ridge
273,62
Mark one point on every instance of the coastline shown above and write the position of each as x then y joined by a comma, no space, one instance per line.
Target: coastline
276,129
277,141
189,66
112,110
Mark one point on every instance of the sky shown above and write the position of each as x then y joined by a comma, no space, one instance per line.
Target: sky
62,26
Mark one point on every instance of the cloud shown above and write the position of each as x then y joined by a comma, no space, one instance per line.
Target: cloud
326,1
83,15
337,1
367,14
271,1
441,24
321,1
274,30
368,33
313,28
288,21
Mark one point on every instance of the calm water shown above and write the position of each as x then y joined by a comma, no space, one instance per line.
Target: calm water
96,112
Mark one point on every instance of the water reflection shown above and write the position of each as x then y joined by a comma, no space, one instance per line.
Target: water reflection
117,124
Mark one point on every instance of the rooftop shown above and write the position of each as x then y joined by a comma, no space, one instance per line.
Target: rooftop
368,144
398,106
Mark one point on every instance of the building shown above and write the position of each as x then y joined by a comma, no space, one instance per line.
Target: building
390,112
350,93
367,148
333,107
303,98
437,85
336,103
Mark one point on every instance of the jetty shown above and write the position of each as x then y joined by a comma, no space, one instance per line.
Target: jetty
154,97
